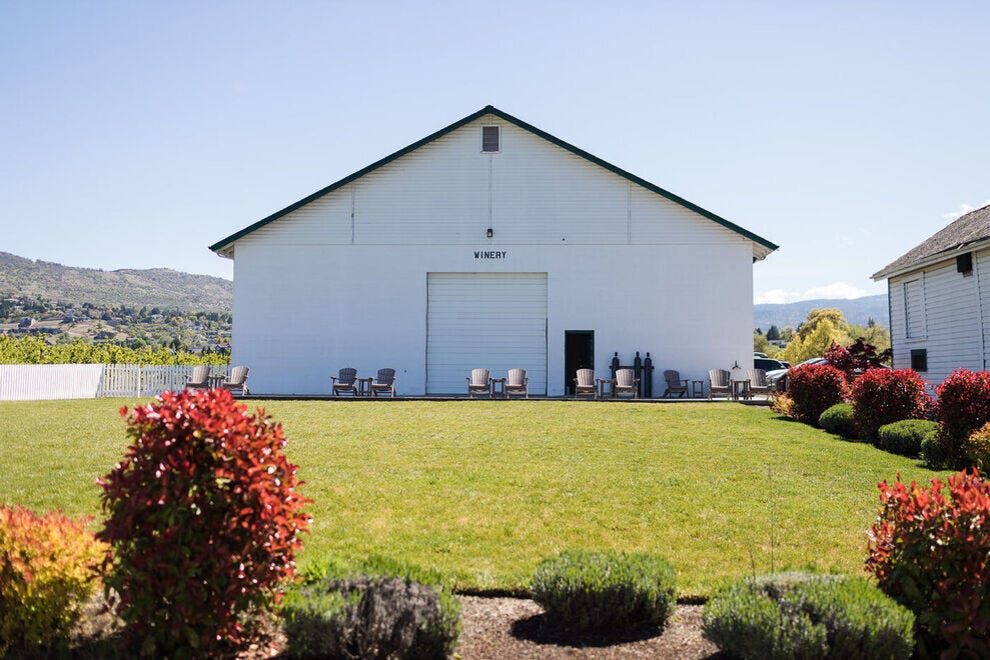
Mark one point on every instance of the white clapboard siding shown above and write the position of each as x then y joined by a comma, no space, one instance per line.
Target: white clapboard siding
531,192
36,382
937,310
494,321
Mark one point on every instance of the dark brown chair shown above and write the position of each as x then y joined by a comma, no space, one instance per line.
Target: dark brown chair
347,378
384,382
675,384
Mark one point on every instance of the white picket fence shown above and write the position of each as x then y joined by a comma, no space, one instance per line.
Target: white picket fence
34,382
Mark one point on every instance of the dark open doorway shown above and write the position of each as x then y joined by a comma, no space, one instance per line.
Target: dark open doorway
579,353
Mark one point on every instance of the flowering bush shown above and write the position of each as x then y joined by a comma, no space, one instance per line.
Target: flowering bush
813,388
48,569
883,396
963,407
930,550
204,519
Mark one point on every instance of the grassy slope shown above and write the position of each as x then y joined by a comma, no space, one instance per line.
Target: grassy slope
483,490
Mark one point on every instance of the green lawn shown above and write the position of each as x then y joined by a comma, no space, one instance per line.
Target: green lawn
483,490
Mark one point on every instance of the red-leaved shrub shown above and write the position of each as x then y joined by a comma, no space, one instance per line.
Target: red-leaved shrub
930,550
963,407
857,359
884,396
814,388
204,520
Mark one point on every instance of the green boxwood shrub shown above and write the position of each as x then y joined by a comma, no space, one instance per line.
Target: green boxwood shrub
605,591
906,436
807,615
382,612
839,420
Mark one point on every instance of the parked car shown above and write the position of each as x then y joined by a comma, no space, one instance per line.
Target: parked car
768,364
777,379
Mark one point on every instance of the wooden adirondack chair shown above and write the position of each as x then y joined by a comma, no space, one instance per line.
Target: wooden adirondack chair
200,379
237,380
758,382
675,384
517,383
584,383
479,383
384,382
347,378
720,383
625,383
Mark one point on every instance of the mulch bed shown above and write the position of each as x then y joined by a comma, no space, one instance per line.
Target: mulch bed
517,628
494,628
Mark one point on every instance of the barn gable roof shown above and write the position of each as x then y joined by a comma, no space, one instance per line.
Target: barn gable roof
221,246
959,236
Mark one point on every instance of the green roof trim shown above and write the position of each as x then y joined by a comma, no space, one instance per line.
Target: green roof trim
488,109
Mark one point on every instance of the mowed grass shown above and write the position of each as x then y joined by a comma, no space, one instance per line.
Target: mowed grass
483,490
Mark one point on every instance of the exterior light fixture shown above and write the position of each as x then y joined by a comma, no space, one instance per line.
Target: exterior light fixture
489,233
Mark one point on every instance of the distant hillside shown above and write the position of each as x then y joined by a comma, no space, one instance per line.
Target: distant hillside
154,287
857,310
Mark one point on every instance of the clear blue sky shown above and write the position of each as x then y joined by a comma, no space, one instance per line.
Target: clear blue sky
134,134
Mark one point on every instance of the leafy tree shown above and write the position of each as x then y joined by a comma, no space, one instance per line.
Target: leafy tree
817,316
760,343
815,343
773,333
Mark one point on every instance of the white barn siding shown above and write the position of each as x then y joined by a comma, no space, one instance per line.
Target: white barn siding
342,281
949,311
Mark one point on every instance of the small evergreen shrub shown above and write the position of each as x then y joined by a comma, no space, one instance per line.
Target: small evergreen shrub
813,389
963,407
839,420
804,615
978,450
930,550
388,614
48,570
884,396
906,437
605,591
204,519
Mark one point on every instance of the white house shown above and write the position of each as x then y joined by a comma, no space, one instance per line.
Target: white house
939,297
494,244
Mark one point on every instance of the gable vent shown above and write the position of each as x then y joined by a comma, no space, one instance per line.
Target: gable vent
489,138
964,263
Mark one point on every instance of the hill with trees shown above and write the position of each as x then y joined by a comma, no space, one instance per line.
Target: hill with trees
155,287
858,311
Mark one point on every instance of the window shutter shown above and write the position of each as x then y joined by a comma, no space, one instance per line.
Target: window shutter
914,311
489,138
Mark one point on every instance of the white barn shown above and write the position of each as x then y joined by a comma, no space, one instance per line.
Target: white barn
939,297
494,244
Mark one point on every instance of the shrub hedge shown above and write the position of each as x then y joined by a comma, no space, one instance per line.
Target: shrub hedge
48,569
906,437
814,388
605,591
803,615
884,396
338,613
838,419
978,450
963,407
204,519
930,550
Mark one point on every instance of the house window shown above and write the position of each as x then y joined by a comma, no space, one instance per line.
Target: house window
489,139
914,310
919,359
